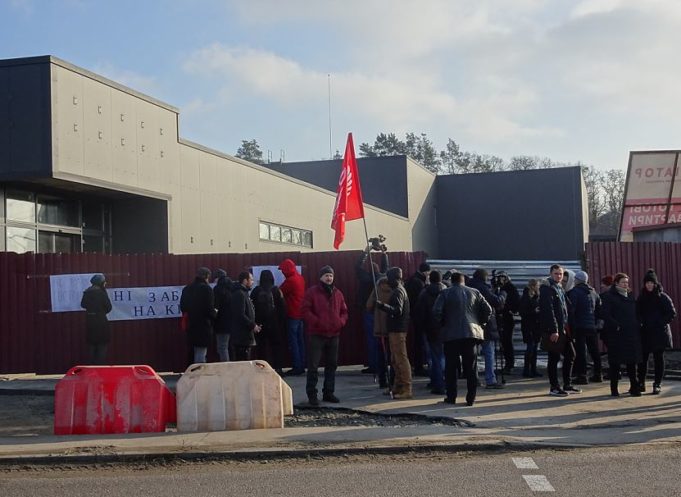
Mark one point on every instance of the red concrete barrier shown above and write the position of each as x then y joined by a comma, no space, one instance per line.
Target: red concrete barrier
112,399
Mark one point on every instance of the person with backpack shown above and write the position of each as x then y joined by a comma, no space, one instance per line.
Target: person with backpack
270,313
222,294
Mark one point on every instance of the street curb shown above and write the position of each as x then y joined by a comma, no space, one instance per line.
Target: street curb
263,455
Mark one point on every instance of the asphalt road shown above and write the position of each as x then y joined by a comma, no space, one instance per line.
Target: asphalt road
633,471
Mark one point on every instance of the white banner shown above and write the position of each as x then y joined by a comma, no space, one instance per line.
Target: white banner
130,303
66,291
144,303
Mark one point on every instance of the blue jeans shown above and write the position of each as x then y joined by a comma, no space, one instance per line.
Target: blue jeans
437,366
372,343
222,341
200,354
296,343
488,353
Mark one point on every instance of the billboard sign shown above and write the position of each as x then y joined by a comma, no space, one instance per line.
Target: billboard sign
652,196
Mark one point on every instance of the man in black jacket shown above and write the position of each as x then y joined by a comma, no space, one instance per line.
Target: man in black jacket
505,319
495,301
222,295
553,320
414,287
366,279
244,327
462,312
584,310
397,326
197,300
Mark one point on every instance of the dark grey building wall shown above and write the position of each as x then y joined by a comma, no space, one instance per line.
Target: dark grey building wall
139,225
519,215
383,179
25,119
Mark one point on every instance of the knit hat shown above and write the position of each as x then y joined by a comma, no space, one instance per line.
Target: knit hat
394,274
219,273
203,272
582,276
423,267
651,276
608,280
435,277
98,279
325,270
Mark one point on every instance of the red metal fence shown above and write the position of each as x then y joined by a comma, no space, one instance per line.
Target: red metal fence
634,259
34,339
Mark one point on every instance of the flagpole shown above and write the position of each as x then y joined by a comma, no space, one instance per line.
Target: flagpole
371,264
329,88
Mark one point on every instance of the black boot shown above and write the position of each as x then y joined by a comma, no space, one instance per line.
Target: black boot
613,388
526,366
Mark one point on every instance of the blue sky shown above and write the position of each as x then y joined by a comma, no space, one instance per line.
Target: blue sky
582,80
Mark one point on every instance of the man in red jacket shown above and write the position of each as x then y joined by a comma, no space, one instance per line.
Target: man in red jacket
294,290
325,313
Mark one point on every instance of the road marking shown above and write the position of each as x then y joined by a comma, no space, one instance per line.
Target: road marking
524,463
538,483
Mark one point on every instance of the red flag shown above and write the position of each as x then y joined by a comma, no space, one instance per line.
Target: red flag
349,203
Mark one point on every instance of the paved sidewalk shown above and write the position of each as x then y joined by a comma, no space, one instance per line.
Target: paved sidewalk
522,415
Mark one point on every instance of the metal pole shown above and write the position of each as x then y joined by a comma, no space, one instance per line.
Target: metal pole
329,91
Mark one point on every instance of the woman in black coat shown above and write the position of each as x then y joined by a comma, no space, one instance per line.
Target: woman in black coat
623,330
97,305
655,311
529,324
270,312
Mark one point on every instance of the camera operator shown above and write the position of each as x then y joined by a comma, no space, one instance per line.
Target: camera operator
501,282
366,278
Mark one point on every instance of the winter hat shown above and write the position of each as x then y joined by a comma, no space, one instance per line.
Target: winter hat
325,270
98,279
423,267
219,273
435,277
651,276
394,274
203,272
582,276
608,280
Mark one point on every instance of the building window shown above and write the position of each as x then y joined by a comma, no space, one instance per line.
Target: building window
285,234
49,223
20,240
20,206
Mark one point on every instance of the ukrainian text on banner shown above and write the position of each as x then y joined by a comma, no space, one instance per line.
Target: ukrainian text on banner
128,303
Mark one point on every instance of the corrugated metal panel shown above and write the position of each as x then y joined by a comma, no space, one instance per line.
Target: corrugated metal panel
634,259
33,339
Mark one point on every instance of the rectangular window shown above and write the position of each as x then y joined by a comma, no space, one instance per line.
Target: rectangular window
285,234
21,206
264,231
275,233
57,211
20,240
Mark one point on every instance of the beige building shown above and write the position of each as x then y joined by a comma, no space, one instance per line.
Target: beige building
87,164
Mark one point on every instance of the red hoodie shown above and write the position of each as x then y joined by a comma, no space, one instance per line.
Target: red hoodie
293,288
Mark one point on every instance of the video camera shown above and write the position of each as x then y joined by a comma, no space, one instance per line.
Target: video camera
377,244
496,278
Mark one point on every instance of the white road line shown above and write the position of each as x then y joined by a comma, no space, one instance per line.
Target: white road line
538,483
524,463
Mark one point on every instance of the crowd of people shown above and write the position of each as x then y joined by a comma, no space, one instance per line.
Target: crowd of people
453,319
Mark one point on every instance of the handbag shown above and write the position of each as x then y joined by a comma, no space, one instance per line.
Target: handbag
556,347
184,321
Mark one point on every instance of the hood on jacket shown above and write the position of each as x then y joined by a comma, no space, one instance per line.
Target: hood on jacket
570,283
288,267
